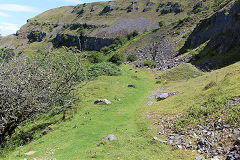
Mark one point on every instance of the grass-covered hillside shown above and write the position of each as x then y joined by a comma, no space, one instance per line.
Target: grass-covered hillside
105,20
134,122
81,136
123,80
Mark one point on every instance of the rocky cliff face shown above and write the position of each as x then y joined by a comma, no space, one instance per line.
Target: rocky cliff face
222,29
83,43
100,21
221,32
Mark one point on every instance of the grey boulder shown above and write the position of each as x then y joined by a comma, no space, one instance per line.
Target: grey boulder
105,101
162,96
111,137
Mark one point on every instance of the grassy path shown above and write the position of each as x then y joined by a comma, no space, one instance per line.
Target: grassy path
82,136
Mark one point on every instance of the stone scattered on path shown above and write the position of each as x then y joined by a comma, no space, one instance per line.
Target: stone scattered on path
111,137
150,103
199,157
157,139
203,138
162,96
149,116
30,153
155,94
105,101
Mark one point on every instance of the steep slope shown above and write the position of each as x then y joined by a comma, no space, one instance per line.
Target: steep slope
220,35
95,25
98,22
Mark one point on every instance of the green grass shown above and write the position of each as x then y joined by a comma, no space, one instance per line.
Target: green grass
124,118
82,137
210,90
182,72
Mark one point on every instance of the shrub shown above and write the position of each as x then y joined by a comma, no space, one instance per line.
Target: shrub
95,57
113,47
158,82
161,23
119,40
106,50
117,59
132,57
132,35
6,53
149,63
31,87
104,68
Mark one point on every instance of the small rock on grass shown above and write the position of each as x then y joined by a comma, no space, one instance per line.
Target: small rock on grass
30,153
150,103
157,139
132,85
105,101
111,137
162,96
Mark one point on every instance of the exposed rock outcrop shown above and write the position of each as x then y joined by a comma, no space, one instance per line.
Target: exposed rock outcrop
198,5
160,6
83,43
36,36
132,7
83,10
149,6
222,29
172,8
110,7
221,33
94,8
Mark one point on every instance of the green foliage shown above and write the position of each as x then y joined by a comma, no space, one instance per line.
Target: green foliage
117,59
65,37
132,35
81,32
149,63
210,108
161,23
106,50
117,43
201,10
158,82
232,114
132,57
226,13
6,53
192,52
103,69
95,57
119,40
